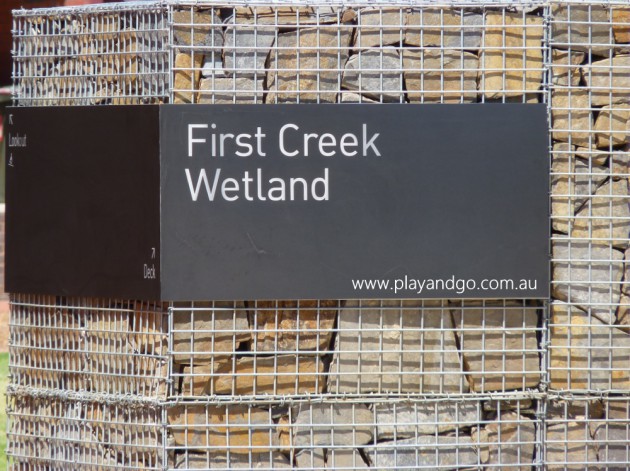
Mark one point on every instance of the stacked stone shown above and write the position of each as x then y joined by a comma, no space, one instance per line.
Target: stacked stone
372,54
95,373
79,58
590,341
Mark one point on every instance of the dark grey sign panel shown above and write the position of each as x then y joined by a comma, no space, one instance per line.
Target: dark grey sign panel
293,201
396,194
82,213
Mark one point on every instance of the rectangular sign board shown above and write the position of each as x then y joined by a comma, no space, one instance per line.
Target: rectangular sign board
198,202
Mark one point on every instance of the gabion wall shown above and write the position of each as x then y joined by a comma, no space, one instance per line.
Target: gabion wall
343,384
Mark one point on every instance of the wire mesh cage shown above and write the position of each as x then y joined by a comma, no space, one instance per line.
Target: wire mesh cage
343,384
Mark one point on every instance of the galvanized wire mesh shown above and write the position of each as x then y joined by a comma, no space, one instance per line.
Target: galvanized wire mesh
346,384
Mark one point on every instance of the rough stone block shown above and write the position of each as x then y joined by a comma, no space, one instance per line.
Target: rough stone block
569,447
621,24
228,90
305,325
591,285
583,28
394,346
509,442
246,50
218,460
446,28
499,345
566,69
340,458
605,216
443,452
202,330
375,73
512,46
609,80
440,76
587,353
406,420
333,425
571,116
573,180
282,374
612,126
310,458
322,55
236,428
380,27
187,72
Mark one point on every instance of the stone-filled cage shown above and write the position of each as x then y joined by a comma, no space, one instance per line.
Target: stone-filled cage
343,384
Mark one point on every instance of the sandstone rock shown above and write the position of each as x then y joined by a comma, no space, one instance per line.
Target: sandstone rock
380,27
187,71
445,452
406,420
571,116
612,126
587,353
194,378
566,69
234,427
598,156
199,28
623,313
502,405
609,80
440,76
282,374
292,325
573,180
574,409
203,329
218,460
446,28
620,163
393,346
499,345
246,50
518,70
605,216
569,447
311,458
591,285
621,26
509,442
312,75
228,90
286,15
332,425
339,458
611,441
375,74
351,97
583,28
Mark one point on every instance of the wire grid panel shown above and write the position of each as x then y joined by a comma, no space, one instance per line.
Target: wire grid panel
92,56
322,53
51,433
589,432
589,104
366,432
85,344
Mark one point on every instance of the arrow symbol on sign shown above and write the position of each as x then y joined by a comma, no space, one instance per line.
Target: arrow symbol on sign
10,119
11,160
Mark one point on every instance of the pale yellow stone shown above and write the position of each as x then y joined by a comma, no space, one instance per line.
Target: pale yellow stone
621,27
612,126
444,27
499,345
571,116
566,69
586,353
279,375
380,27
305,325
609,80
512,45
187,72
440,76
583,28
233,427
